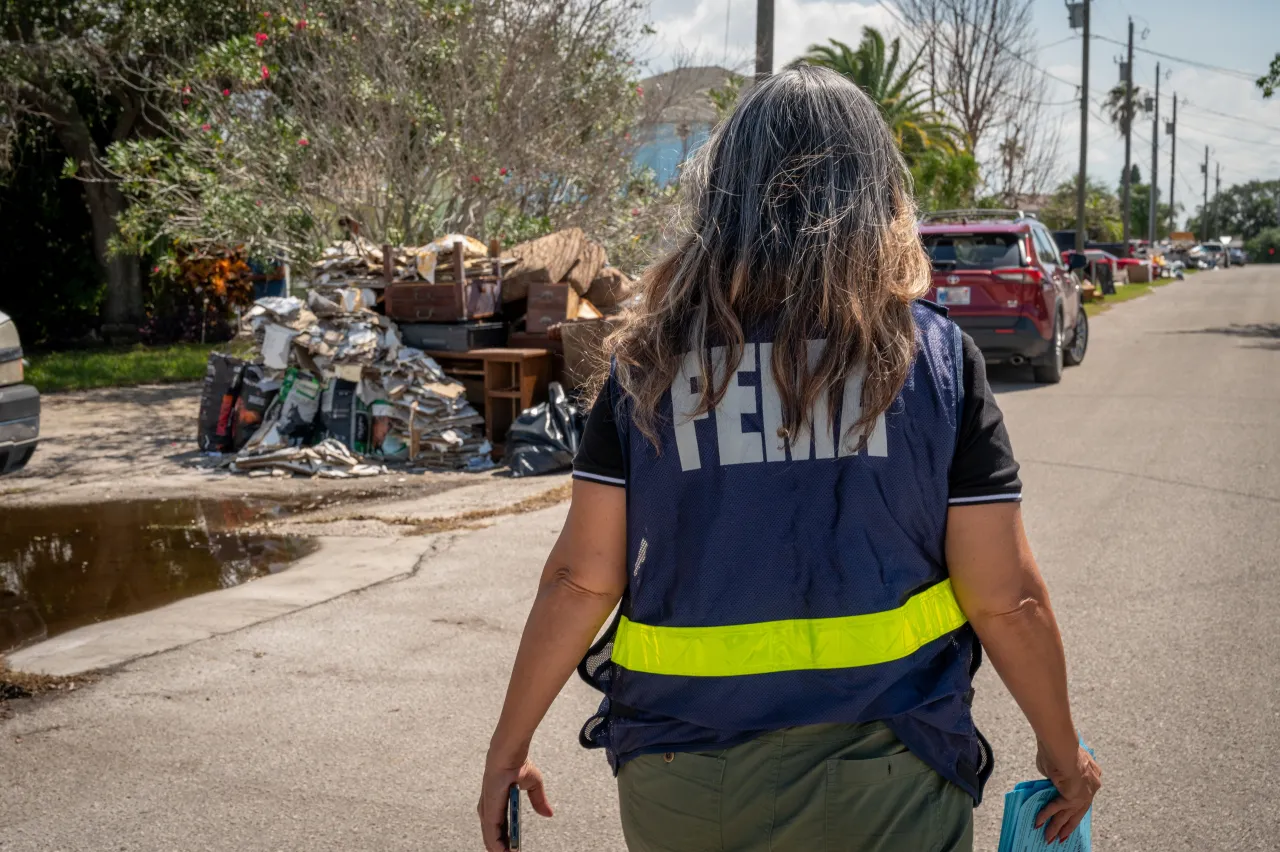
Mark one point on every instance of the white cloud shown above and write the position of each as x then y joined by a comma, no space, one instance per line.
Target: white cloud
697,28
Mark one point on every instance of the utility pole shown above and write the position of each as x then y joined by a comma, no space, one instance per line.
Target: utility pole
1217,192
1128,134
764,39
1204,205
1172,130
1082,178
1153,185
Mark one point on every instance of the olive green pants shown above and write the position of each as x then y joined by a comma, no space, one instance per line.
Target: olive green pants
819,788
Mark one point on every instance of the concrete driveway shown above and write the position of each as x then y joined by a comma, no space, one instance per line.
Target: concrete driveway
1152,479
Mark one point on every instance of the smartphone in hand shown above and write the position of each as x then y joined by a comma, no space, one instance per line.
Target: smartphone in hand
513,818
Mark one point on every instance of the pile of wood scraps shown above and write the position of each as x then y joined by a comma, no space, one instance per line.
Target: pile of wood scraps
563,276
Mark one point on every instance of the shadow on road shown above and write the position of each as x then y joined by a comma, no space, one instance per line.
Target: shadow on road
1006,379
1267,333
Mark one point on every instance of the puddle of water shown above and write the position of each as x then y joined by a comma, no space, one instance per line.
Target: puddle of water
62,567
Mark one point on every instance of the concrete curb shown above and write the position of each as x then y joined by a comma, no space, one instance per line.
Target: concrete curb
341,565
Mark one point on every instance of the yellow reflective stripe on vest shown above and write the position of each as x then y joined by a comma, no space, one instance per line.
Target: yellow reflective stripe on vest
792,645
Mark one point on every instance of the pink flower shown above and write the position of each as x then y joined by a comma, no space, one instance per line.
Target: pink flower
265,72
302,24
186,90
266,14
640,91
260,38
303,142
155,269
475,178
226,93
257,203
206,127
502,171
186,101
635,211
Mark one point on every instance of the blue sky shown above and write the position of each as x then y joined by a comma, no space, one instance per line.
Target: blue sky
1238,35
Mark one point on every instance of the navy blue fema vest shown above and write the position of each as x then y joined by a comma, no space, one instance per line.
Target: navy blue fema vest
775,586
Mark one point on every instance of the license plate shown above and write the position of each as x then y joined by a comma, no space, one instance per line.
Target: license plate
953,295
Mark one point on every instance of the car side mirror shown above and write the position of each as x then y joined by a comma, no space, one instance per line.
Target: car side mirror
1077,261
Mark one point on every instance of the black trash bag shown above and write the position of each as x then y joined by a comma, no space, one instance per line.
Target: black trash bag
544,439
217,400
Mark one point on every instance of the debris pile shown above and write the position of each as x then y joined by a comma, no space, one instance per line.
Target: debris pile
566,259
335,393
359,263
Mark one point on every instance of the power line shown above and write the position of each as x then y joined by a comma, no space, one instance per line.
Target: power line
1243,75
1236,139
1192,130
1188,105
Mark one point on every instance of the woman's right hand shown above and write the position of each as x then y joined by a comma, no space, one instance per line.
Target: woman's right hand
1077,784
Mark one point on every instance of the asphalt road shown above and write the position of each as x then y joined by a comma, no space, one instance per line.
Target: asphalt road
1152,479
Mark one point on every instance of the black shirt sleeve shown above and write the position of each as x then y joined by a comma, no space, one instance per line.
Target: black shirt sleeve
599,457
983,469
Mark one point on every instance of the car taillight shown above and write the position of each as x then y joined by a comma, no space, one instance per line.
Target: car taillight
1019,276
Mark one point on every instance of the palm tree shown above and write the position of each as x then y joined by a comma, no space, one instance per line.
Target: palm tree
874,67
1115,106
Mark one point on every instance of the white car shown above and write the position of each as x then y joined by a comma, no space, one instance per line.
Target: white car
19,403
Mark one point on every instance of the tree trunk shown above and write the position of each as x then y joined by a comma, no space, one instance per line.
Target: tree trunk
122,313
122,309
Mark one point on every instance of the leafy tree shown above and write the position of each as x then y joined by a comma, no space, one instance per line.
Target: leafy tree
404,118
944,181
1140,208
1102,210
725,98
874,66
1121,112
1269,82
1243,211
79,66
1265,247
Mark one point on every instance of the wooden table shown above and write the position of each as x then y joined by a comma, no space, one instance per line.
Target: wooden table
503,382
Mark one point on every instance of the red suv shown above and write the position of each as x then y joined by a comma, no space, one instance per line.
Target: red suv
1001,277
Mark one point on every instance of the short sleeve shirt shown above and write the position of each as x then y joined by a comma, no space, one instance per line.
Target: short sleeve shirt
983,469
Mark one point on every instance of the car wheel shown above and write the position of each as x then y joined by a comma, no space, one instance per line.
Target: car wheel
1079,340
1050,371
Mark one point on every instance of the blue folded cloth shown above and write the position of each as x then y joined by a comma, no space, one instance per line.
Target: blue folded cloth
1018,832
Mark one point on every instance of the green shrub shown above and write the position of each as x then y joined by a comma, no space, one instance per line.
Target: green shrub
1265,248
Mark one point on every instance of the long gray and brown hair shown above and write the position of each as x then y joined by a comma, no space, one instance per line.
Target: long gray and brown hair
801,221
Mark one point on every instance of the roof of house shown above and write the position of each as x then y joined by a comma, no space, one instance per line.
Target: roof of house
680,95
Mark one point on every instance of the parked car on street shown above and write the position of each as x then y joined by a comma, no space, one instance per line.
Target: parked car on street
19,403
1238,256
1215,254
1000,275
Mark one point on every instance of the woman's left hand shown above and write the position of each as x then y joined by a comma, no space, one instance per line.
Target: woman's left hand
499,776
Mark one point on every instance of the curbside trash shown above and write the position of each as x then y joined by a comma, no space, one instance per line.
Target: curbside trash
545,438
217,401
